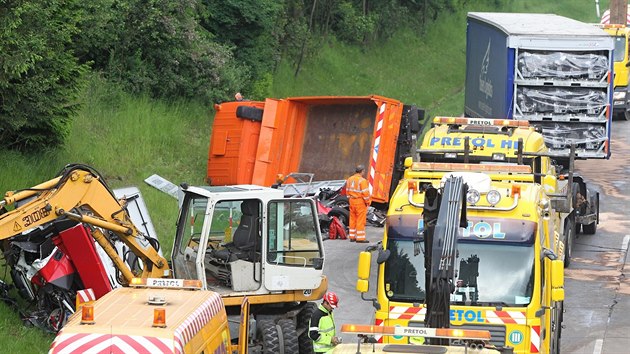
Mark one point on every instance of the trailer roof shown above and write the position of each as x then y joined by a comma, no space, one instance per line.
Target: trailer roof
536,24
127,311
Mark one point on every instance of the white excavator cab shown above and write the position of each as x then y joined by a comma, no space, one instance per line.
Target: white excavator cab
248,239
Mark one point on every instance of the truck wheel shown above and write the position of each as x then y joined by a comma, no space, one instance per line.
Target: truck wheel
591,228
304,317
569,236
341,202
270,340
289,336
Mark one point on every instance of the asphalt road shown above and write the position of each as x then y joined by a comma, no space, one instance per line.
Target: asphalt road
597,317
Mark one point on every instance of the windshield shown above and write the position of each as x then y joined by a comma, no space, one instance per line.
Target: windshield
620,48
494,267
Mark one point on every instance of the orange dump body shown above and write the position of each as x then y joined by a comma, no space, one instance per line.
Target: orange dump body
253,142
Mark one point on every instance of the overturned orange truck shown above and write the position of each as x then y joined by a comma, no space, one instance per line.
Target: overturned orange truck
253,142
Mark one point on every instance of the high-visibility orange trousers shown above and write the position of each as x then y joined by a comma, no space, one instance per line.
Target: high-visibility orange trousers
358,215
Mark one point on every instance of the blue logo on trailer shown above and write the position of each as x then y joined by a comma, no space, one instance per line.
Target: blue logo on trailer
515,337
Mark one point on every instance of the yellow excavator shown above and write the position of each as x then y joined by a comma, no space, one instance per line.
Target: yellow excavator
72,233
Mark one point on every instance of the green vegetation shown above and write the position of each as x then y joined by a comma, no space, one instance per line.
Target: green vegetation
128,137
427,70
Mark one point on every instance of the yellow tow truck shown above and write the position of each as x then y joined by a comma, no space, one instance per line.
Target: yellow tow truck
509,273
621,36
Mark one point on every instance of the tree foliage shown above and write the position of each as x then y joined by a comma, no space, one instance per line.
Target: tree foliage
40,78
254,29
196,49
164,51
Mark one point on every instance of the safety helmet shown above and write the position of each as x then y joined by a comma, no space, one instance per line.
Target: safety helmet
331,298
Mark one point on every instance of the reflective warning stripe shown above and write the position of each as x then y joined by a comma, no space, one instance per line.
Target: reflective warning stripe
534,347
377,143
407,313
324,330
322,347
606,17
98,343
84,296
197,320
378,337
505,317
493,317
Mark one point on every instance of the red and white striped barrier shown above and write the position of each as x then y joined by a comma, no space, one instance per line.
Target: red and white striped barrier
606,17
377,143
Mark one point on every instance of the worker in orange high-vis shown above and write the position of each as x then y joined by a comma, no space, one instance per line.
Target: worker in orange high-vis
358,192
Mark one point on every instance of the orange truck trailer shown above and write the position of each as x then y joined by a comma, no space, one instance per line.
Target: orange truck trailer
253,142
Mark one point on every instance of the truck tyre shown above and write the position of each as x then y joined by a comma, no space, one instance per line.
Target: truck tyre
342,214
251,113
591,228
569,237
341,202
289,336
303,319
270,340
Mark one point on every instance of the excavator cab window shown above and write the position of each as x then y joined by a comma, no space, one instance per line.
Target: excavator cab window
189,236
292,234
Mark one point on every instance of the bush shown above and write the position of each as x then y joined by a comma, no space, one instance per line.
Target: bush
41,79
353,27
165,52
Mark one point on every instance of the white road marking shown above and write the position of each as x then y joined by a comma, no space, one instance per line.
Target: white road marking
598,346
624,248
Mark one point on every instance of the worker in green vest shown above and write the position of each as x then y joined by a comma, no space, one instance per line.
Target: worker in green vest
322,325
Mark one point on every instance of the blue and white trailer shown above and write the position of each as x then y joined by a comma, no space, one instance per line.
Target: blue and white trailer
551,70
556,73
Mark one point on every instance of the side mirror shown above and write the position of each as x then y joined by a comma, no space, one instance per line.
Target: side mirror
557,274
550,254
363,271
383,256
557,295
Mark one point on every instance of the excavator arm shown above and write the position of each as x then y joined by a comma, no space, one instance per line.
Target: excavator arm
79,193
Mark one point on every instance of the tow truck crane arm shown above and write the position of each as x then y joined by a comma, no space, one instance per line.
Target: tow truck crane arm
79,193
443,216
